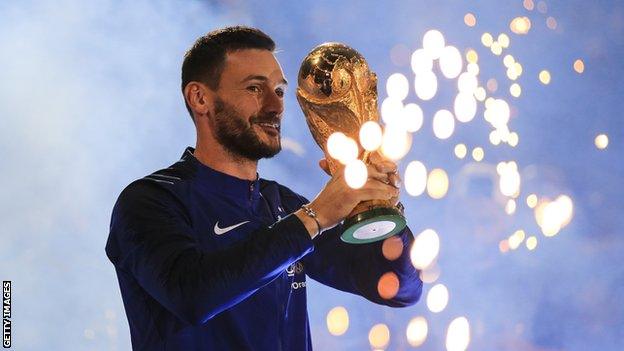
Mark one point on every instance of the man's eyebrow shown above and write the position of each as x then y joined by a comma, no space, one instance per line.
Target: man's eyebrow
261,78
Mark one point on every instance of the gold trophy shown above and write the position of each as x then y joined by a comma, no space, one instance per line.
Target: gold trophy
338,93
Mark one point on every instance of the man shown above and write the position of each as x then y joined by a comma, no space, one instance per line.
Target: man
211,257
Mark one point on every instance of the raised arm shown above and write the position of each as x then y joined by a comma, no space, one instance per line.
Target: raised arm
151,239
358,268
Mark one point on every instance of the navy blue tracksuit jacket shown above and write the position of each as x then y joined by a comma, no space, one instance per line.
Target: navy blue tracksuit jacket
207,261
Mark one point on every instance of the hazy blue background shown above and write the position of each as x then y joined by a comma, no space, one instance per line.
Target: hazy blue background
89,101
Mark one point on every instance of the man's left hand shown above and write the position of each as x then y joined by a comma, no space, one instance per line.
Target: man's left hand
387,168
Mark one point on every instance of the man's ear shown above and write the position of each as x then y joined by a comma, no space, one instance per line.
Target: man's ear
200,98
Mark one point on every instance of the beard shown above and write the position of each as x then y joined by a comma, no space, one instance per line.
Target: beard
238,135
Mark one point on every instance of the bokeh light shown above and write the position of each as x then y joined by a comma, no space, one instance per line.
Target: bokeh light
337,321
544,77
496,48
494,137
515,90
433,43
520,25
473,69
467,83
531,243
437,183
531,200
492,85
426,85
465,107
417,330
412,118
371,135
342,148
508,60
399,55
458,334
601,141
513,139
472,56
415,179
421,62
503,246
392,248
396,142
460,151
356,174
487,39
391,110
430,274
509,180
437,298
503,40
551,23
497,113
388,285
514,70
579,66
470,20
397,86
425,249
551,216
516,239
566,209
451,62
480,94
510,207
379,336
443,124
478,154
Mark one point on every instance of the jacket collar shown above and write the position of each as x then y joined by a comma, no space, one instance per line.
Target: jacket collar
222,182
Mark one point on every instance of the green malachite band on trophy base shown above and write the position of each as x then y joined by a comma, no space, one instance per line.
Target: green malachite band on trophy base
373,225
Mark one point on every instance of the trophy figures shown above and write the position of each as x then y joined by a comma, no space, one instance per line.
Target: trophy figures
338,93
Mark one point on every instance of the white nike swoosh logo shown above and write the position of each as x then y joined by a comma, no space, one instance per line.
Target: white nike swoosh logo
220,231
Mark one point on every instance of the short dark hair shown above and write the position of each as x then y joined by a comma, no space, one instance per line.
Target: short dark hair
204,61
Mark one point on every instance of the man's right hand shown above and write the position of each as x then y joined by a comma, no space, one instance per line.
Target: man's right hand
336,200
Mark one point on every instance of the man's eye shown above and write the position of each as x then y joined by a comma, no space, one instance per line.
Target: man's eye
279,92
254,89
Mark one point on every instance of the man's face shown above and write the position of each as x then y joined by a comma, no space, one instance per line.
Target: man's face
249,104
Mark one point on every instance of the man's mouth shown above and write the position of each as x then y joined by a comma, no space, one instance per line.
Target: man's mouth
271,128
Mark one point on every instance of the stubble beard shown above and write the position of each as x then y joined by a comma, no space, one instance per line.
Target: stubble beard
239,137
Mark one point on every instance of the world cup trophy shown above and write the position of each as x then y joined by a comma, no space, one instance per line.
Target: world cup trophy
338,93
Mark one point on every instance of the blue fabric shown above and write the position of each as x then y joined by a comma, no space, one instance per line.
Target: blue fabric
188,286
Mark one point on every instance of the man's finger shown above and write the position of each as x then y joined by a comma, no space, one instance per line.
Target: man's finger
385,166
395,179
374,173
377,190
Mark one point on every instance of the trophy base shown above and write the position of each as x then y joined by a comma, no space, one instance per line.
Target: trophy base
373,225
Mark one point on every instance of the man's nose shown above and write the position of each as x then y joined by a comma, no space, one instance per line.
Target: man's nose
273,103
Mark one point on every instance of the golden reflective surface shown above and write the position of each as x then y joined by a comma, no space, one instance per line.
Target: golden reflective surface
337,92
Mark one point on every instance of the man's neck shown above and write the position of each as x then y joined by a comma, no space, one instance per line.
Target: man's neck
215,156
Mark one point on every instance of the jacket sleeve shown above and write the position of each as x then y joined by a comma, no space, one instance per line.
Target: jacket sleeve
150,238
358,268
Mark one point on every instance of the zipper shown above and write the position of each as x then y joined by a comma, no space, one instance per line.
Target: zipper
251,189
